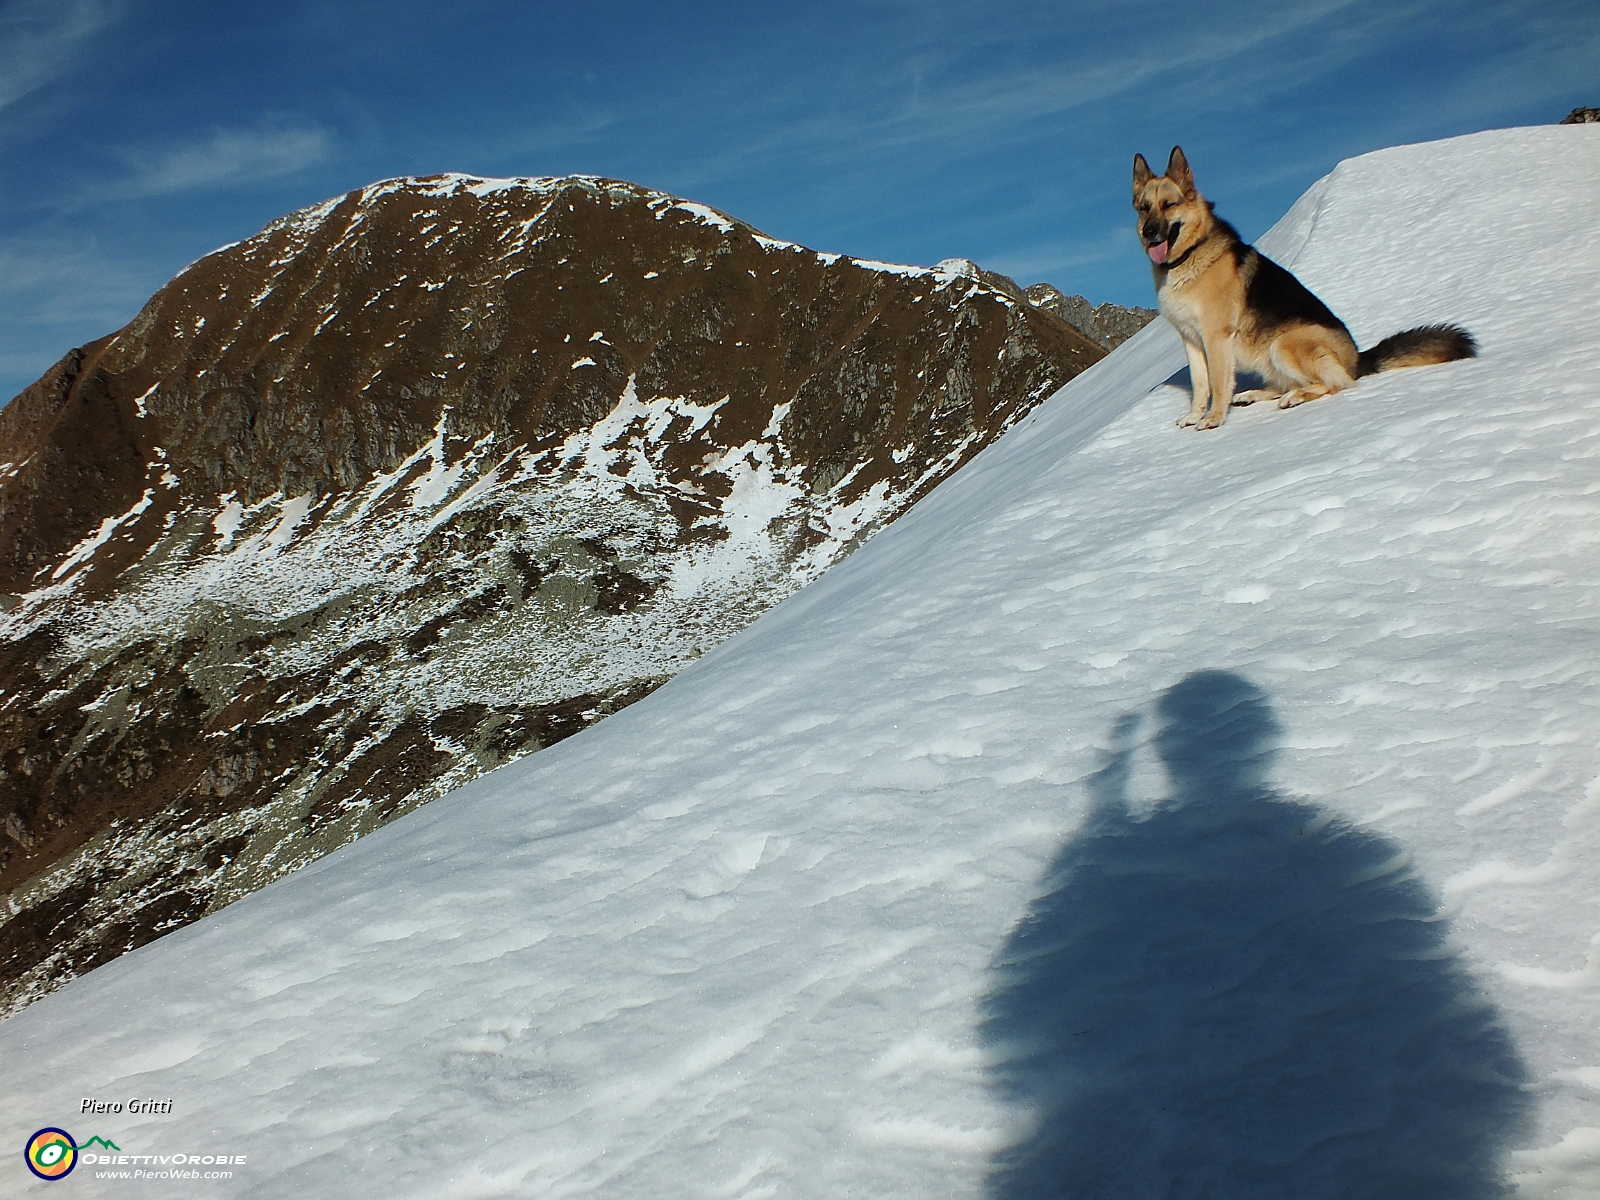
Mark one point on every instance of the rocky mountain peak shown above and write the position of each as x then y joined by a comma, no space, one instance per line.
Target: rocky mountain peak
417,480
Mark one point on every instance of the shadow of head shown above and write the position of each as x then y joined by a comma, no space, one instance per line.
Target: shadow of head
1239,995
1217,733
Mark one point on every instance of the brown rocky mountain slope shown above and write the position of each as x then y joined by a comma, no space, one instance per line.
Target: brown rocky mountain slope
418,480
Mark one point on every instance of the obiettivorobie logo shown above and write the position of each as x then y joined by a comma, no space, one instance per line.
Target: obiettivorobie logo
51,1153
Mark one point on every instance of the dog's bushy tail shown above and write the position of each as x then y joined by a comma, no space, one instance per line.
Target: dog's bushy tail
1420,347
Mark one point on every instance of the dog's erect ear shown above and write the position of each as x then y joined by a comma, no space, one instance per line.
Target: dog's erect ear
1142,174
1178,171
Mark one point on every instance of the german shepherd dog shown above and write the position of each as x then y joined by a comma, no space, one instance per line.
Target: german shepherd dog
1236,308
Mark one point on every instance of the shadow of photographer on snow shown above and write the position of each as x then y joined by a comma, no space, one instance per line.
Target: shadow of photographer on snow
1240,995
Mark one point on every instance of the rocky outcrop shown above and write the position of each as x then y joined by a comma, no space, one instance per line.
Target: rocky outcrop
419,480
1581,116
1108,324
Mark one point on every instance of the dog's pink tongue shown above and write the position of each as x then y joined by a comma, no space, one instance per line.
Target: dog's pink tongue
1158,253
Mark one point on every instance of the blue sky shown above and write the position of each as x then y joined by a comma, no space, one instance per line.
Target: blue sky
136,135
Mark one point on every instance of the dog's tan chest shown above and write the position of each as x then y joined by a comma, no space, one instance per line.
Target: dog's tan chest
1202,298
1180,311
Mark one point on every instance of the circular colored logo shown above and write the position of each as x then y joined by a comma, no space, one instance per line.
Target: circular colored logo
51,1154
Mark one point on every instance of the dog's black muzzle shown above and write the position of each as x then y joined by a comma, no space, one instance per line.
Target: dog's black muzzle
1156,232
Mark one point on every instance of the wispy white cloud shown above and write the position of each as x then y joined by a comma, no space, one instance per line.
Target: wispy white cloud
931,101
1063,260
57,281
223,156
38,39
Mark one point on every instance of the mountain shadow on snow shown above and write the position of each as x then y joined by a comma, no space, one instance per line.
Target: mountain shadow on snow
1240,996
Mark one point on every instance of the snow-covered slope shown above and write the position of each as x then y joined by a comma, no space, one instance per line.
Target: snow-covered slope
1149,813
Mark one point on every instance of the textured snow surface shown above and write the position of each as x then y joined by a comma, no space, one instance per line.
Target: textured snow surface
1148,813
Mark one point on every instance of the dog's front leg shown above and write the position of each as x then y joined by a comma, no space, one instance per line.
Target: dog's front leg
1219,350
1199,380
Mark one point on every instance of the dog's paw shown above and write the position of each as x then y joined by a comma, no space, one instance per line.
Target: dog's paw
1188,422
1245,399
1210,422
